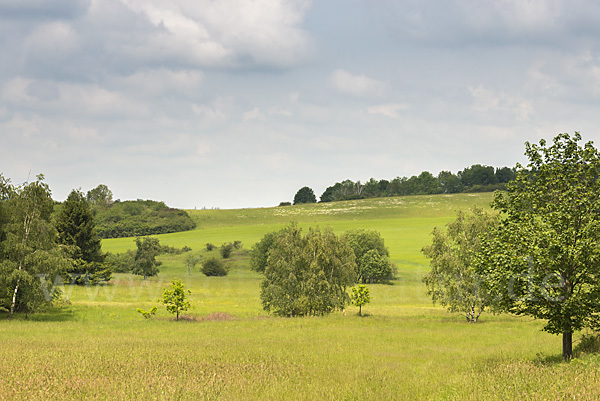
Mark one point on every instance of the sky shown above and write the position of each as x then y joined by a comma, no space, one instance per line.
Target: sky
240,103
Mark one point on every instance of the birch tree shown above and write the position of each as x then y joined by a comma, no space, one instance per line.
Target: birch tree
31,259
452,281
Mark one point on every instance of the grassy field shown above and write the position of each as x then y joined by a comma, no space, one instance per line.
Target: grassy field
95,345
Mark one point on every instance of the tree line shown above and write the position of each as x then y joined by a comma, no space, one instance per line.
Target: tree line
477,178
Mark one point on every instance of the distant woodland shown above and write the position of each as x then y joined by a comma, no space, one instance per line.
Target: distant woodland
476,178
133,218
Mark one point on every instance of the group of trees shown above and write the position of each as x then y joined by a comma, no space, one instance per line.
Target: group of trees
138,218
477,178
540,258
309,274
36,250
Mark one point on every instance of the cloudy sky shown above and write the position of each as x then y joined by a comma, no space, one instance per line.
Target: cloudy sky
239,103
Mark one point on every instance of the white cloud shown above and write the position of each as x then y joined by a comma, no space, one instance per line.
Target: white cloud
156,82
486,100
356,85
75,99
254,114
225,32
390,110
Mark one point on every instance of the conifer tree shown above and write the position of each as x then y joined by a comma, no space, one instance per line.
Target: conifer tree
77,230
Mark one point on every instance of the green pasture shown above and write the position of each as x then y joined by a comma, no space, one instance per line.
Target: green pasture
94,345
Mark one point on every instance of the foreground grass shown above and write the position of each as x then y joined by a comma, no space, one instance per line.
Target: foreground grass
96,346
421,353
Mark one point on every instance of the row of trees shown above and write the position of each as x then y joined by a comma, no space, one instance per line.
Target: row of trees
477,178
540,255
307,275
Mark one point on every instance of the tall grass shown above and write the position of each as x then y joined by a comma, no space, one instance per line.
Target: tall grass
94,345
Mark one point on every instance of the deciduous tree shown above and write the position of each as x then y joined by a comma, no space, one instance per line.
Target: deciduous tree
175,298
145,258
307,275
360,296
452,281
30,257
305,195
100,196
543,261
372,257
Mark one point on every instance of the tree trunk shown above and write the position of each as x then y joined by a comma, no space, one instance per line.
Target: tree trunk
567,346
14,300
360,310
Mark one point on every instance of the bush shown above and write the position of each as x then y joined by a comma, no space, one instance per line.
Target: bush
238,244
589,344
210,247
226,250
214,267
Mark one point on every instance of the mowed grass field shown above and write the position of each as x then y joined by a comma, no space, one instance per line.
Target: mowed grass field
94,345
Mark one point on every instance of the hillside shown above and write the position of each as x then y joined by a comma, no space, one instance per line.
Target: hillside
227,347
404,222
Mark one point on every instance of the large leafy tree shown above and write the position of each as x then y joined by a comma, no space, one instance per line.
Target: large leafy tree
77,230
30,257
307,275
305,195
100,196
543,261
372,257
452,281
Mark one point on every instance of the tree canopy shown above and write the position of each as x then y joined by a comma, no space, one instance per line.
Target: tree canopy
140,218
101,196
307,275
477,178
30,257
305,195
452,281
145,263
543,259
372,257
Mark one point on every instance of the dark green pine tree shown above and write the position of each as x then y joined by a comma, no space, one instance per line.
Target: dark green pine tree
77,230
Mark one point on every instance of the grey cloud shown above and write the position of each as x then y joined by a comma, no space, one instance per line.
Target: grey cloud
42,9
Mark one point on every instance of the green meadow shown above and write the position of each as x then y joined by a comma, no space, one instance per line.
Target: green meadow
94,345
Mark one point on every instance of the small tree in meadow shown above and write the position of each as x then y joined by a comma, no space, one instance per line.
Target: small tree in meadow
360,296
191,261
175,298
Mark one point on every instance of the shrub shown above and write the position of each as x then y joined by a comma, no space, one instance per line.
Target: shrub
147,314
589,344
210,247
214,267
238,244
226,250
